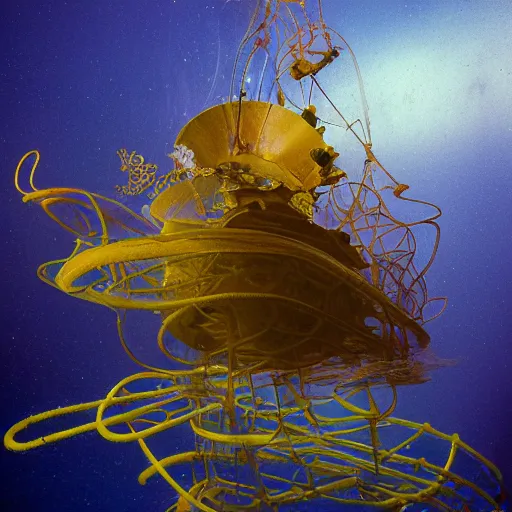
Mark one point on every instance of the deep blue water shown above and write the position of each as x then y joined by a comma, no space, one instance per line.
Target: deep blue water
81,80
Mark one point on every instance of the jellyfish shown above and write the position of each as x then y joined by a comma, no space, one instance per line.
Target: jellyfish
288,295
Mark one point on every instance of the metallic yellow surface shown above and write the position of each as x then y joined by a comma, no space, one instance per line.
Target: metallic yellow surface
272,139
287,300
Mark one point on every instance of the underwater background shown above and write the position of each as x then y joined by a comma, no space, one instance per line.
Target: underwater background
82,79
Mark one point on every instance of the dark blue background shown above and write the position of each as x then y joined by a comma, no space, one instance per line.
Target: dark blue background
79,80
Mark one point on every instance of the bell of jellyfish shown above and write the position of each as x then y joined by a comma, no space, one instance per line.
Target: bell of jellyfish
288,297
